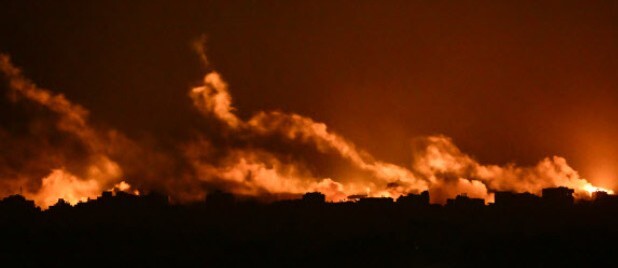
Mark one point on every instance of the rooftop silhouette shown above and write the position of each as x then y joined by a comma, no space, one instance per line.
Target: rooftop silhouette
519,229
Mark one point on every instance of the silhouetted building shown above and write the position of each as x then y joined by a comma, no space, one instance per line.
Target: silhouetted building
314,198
219,198
157,199
420,200
605,199
356,197
61,205
558,196
236,233
600,195
125,197
17,203
515,200
375,201
106,195
462,201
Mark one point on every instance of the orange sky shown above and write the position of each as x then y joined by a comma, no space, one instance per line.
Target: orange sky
508,82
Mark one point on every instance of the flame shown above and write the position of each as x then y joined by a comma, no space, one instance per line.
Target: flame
590,189
60,184
124,187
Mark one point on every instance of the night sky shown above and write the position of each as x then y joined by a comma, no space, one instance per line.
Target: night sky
508,82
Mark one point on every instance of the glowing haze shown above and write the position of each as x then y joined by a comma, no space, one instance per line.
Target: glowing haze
241,160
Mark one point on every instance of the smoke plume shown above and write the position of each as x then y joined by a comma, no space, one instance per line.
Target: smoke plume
97,169
89,160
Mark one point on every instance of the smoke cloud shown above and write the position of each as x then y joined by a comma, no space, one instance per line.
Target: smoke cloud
90,160
97,169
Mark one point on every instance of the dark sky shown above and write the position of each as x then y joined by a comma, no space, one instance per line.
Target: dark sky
509,82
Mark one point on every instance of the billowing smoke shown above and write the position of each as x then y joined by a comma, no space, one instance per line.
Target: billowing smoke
213,99
96,169
239,161
449,170
438,165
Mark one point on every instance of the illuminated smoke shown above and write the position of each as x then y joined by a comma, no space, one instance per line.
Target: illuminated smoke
213,97
123,186
444,165
242,165
258,173
62,184
438,166
99,168
247,172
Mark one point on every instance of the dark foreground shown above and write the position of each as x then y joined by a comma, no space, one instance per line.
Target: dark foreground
125,231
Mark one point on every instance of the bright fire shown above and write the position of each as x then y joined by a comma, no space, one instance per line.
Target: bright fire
124,187
590,189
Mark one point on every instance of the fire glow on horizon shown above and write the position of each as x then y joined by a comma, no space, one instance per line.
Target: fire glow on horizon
248,169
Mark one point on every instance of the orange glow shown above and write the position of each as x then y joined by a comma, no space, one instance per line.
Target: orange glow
124,187
72,119
62,185
590,189
438,164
